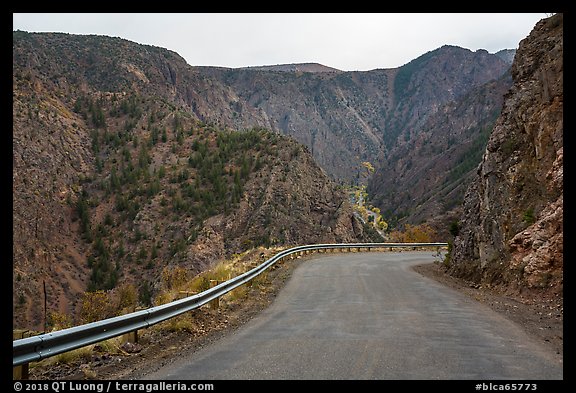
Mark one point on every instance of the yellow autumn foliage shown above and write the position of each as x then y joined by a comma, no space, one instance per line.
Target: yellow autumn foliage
422,233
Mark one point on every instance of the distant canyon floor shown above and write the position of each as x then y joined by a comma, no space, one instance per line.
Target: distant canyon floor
160,345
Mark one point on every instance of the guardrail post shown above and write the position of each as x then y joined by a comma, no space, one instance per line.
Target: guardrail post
183,294
214,304
130,337
67,339
22,371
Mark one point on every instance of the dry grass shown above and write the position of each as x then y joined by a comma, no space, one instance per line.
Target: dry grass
176,288
111,346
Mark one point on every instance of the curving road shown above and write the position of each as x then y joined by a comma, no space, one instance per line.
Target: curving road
369,316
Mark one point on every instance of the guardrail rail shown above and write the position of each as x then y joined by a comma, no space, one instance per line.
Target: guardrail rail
36,348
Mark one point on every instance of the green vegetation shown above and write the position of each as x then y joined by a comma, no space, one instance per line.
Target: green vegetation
447,261
82,209
470,158
205,177
402,79
370,214
529,217
454,228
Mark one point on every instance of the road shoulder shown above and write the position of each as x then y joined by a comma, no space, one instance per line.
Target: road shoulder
543,319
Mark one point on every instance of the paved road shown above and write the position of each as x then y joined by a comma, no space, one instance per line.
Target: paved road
369,316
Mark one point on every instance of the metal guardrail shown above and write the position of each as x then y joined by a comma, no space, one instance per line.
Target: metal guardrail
39,347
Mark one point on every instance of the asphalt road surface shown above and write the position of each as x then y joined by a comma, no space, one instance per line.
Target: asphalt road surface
369,316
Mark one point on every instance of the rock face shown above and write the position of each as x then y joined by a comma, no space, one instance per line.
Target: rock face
116,178
107,183
346,118
294,195
512,226
427,176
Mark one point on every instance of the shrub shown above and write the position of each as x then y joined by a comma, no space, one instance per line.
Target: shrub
422,233
174,277
529,217
59,321
127,296
95,306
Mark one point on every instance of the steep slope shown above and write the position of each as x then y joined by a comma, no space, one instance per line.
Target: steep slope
360,115
435,79
114,65
426,177
512,226
115,178
113,138
447,102
328,112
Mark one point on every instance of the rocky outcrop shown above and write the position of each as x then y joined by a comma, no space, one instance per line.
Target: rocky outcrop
427,176
115,178
360,115
346,118
512,226
108,186
293,195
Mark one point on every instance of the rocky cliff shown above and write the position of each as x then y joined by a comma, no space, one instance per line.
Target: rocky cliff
115,178
425,177
346,118
125,159
512,225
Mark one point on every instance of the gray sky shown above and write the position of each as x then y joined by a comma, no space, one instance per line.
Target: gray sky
349,42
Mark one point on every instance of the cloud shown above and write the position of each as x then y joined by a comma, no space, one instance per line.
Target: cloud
346,41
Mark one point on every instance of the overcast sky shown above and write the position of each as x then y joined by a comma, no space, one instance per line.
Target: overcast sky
349,42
